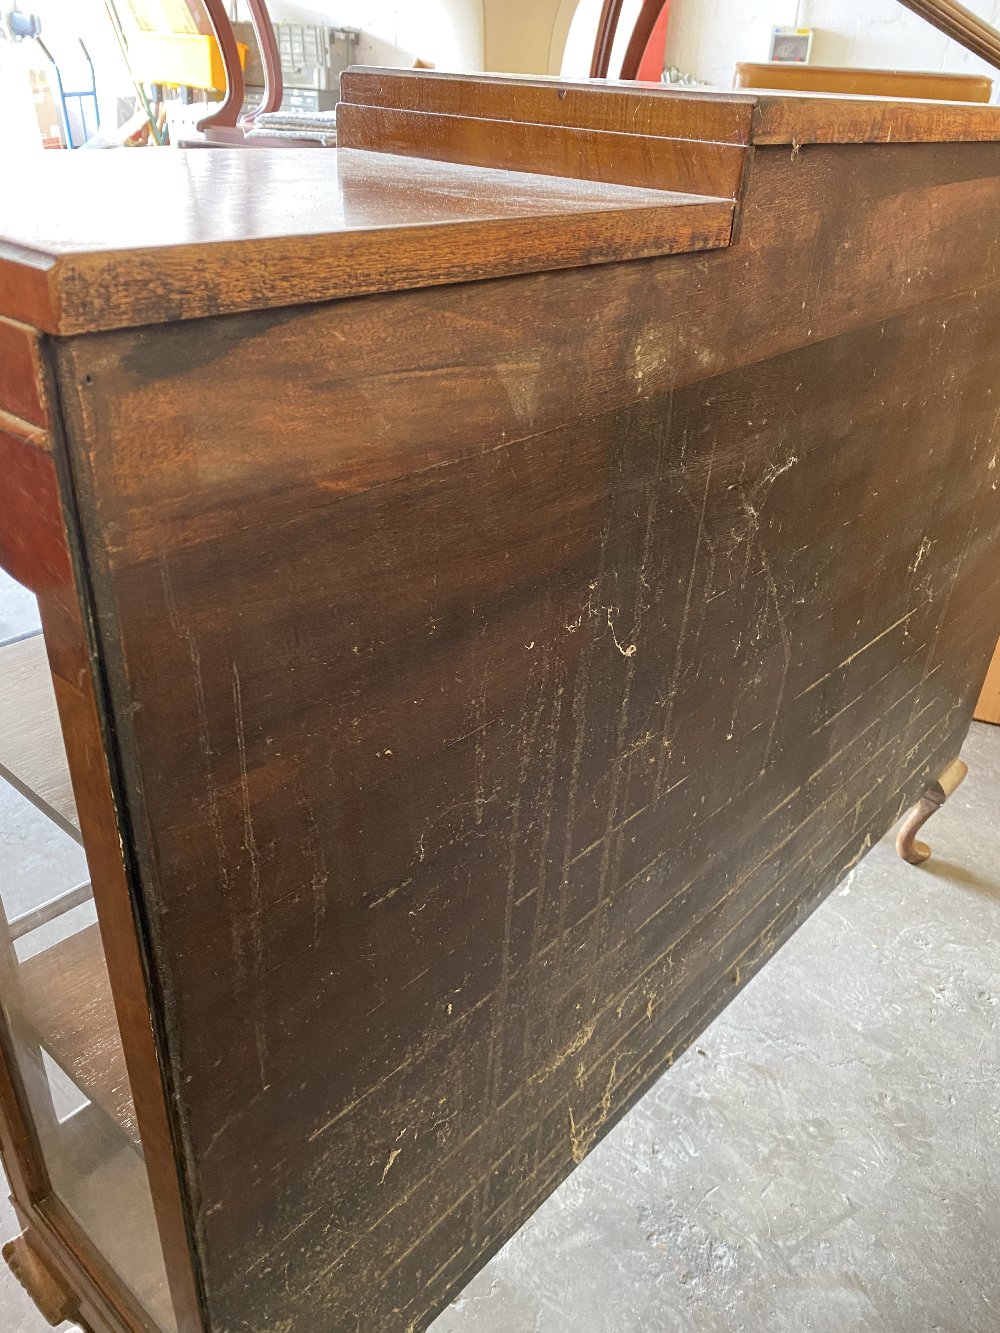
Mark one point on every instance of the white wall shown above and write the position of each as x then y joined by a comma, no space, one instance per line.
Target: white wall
62,22
579,49
707,37
396,32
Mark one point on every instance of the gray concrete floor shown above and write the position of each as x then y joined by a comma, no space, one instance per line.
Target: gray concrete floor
826,1159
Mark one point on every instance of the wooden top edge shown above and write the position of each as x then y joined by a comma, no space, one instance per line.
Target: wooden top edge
720,96
934,75
759,116
625,107
855,118
235,230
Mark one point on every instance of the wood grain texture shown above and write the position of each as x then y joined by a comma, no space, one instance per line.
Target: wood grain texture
771,117
665,111
77,679
32,541
36,536
21,391
804,118
487,721
688,166
301,227
32,752
864,82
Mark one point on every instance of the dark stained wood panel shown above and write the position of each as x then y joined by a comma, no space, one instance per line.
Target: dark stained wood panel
631,348
227,231
485,724
32,752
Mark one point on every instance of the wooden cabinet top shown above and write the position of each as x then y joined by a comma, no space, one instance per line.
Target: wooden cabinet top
439,178
106,240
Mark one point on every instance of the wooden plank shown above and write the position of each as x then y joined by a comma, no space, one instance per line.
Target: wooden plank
771,117
21,392
688,166
634,349
988,707
300,227
32,753
628,108
64,996
810,118
32,540
869,83
565,684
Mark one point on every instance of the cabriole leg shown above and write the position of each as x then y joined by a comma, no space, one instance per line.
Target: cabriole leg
933,798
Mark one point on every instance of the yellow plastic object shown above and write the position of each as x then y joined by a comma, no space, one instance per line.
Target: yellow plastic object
179,60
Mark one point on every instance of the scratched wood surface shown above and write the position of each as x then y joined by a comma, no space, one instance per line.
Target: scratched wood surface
242,231
499,674
772,116
713,169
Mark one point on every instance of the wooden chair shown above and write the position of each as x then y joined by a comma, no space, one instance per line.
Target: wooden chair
226,125
951,18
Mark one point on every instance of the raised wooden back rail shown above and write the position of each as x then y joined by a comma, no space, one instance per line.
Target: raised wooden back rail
961,25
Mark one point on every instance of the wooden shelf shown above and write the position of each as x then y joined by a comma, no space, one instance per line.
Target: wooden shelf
32,754
65,997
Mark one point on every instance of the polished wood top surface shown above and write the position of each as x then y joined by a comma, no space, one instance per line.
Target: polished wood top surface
904,83
723,115
596,104
103,240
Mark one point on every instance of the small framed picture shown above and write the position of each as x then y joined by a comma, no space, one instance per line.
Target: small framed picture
791,46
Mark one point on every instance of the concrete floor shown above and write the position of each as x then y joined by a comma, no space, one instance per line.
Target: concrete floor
824,1160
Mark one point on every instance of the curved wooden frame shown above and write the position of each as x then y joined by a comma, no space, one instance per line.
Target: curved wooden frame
226,114
961,25
948,16
270,57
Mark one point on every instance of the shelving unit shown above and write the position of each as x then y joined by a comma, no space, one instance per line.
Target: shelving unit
32,753
62,992
65,995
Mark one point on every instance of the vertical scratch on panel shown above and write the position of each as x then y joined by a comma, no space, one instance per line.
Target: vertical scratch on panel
250,846
786,646
682,633
204,742
320,875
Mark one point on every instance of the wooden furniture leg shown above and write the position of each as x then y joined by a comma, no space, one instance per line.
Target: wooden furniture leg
933,798
54,1302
